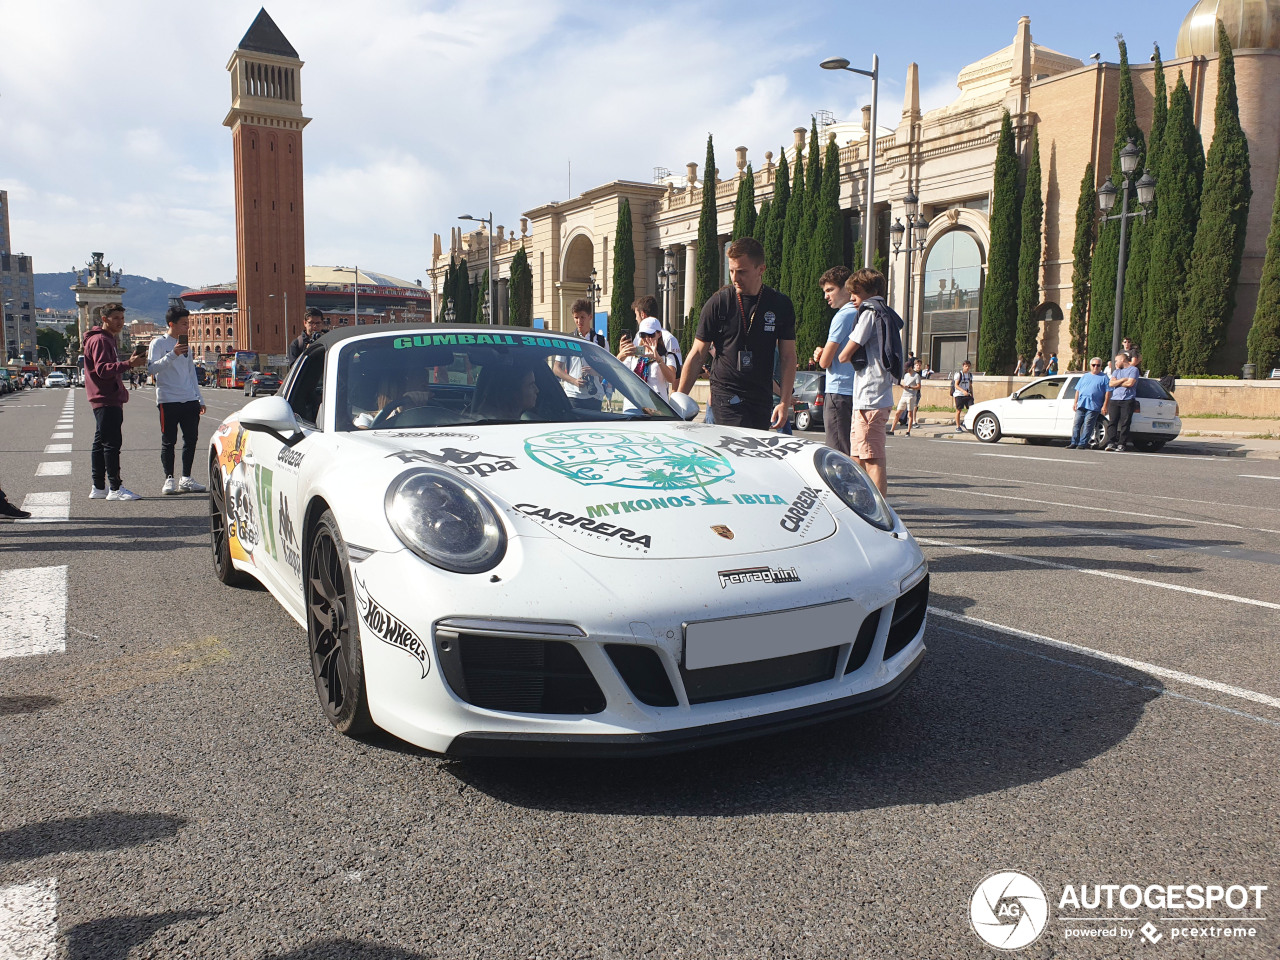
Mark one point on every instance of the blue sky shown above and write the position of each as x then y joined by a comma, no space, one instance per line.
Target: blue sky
421,111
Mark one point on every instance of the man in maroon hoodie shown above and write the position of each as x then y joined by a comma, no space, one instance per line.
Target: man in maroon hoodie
104,382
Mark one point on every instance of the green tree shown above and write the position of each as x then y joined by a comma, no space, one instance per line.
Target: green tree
1106,255
826,250
521,292
1141,231
772,238
791,228
996,332
462,292
1081,263
53,341
621,316
1028,330
1178,181
708,257
762,229
802,275
744,212
1264,334
479,297
1209,301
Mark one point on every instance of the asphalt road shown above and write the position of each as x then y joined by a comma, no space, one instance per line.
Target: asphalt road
1100,704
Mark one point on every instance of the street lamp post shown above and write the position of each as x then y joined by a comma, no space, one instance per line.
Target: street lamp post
272,296
840,63
593,291
450,314
489,246
914,231
667,278
1146,187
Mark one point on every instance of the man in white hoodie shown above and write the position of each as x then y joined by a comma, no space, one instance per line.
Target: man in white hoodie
179,399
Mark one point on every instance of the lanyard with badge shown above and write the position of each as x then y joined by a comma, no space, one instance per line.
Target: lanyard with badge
746,361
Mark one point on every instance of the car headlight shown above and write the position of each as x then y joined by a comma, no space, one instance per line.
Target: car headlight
848,482
445,520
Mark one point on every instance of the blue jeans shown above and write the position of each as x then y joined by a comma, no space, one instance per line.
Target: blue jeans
1082,431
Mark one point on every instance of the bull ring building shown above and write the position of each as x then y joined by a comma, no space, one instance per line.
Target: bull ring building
946,157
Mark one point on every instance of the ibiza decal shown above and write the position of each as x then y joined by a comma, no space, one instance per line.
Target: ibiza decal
390,629
640,461
601,531
289,538
290,457
474,463
767,448
802,512
758,575
665,503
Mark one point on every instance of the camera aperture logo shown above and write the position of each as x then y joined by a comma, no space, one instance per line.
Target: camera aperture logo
1008,910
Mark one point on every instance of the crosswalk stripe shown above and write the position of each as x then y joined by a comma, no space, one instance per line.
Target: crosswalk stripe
47,507
58,448
29,921
33,607
62,436
54,468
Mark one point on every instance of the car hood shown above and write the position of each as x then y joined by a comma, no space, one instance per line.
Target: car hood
649,490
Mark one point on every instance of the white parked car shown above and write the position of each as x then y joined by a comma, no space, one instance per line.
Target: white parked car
57,380
483,567
1042,411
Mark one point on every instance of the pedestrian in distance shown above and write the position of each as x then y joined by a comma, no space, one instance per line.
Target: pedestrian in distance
1021,369
582,384
875,350
1037,365
909,402
746,322
104,384
1124,392
313,329
9,511
1130,349
837,405
1052,368
178,399
1091,396
962,392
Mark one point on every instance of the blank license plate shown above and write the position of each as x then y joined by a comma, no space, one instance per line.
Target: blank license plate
715,643
1161,425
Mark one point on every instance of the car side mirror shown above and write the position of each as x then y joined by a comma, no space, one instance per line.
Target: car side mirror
271,415
1016,397
684,405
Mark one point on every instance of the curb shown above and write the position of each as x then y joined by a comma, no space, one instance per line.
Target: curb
1191,448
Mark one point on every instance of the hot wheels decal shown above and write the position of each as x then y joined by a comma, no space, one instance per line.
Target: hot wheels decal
390,629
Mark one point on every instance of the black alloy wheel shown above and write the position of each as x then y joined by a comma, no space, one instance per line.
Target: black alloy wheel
333,631
218,537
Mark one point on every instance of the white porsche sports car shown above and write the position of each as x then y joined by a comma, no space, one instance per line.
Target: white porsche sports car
489,563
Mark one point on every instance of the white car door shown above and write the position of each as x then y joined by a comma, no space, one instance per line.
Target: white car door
1037,406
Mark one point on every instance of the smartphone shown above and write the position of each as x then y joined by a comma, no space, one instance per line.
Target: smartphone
182,339
140,350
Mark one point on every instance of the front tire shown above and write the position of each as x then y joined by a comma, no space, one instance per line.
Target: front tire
333,631
219,540
804,420
986,428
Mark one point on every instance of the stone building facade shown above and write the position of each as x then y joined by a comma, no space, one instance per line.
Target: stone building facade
17,295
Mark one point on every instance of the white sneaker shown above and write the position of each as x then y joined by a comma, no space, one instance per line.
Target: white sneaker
170,486
122,493
187,485
97,493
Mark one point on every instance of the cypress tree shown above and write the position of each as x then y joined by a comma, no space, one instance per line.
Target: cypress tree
708,235
826,250
521,303
621,316
1134,316
1210,297
762,229
801,292
791,228
1178,181
772,238
1028,330
744,211
996,332
1264,334
1106,256
462,292
1082,262
479,296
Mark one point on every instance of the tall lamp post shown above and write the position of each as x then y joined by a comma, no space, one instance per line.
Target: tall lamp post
1146,187
667,278
489,222
450,314
840,63
272,296
914,232
593,291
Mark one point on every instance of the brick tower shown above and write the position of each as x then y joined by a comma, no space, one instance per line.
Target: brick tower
266,124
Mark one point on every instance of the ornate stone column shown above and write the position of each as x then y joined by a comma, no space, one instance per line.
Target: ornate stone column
690,278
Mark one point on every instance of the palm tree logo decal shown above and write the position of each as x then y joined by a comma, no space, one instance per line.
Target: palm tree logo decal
641,461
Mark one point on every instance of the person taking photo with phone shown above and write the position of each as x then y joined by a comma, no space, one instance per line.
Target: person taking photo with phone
178,398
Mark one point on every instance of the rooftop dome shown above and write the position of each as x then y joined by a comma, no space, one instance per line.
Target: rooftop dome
1251,25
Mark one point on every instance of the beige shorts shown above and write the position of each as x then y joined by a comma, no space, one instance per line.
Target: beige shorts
867,436
909,400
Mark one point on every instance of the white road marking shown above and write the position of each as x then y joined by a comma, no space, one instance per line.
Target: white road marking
54,468
33,608
66,435
47,507
1162,672
1037,561
1015,456
29,921
1258,476
1188,456
58,448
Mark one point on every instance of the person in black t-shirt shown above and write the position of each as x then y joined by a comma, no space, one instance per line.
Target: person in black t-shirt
746,322
312,330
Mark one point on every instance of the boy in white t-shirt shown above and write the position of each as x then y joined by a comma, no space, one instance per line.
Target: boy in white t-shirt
910,399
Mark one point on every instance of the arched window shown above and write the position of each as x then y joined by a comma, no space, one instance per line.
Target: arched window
951,300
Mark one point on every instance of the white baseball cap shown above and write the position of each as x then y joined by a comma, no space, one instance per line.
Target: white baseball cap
650,325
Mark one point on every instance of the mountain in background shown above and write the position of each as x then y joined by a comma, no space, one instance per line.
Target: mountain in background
144,298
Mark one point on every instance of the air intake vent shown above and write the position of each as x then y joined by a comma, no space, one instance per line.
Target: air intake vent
518,674
908,615
759,676
641,668
862,645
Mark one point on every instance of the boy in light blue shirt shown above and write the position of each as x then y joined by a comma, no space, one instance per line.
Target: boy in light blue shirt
837,408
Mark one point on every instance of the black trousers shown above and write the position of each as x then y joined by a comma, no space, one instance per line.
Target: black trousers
753,416
172,416
1118,423
107,440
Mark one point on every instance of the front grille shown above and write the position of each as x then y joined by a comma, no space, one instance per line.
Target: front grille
759,676
518,674
865,640
908,615
641,669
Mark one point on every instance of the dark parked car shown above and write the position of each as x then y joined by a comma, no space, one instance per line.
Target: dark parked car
260,384
809,387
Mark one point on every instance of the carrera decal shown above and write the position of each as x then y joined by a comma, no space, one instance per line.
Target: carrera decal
758,575
488,339
664,503
642,461
390,629
772,448
474,463
802,513
602,531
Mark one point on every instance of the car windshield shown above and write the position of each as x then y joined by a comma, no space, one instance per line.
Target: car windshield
430,379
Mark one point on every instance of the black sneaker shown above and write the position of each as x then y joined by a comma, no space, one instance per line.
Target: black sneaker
9,512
